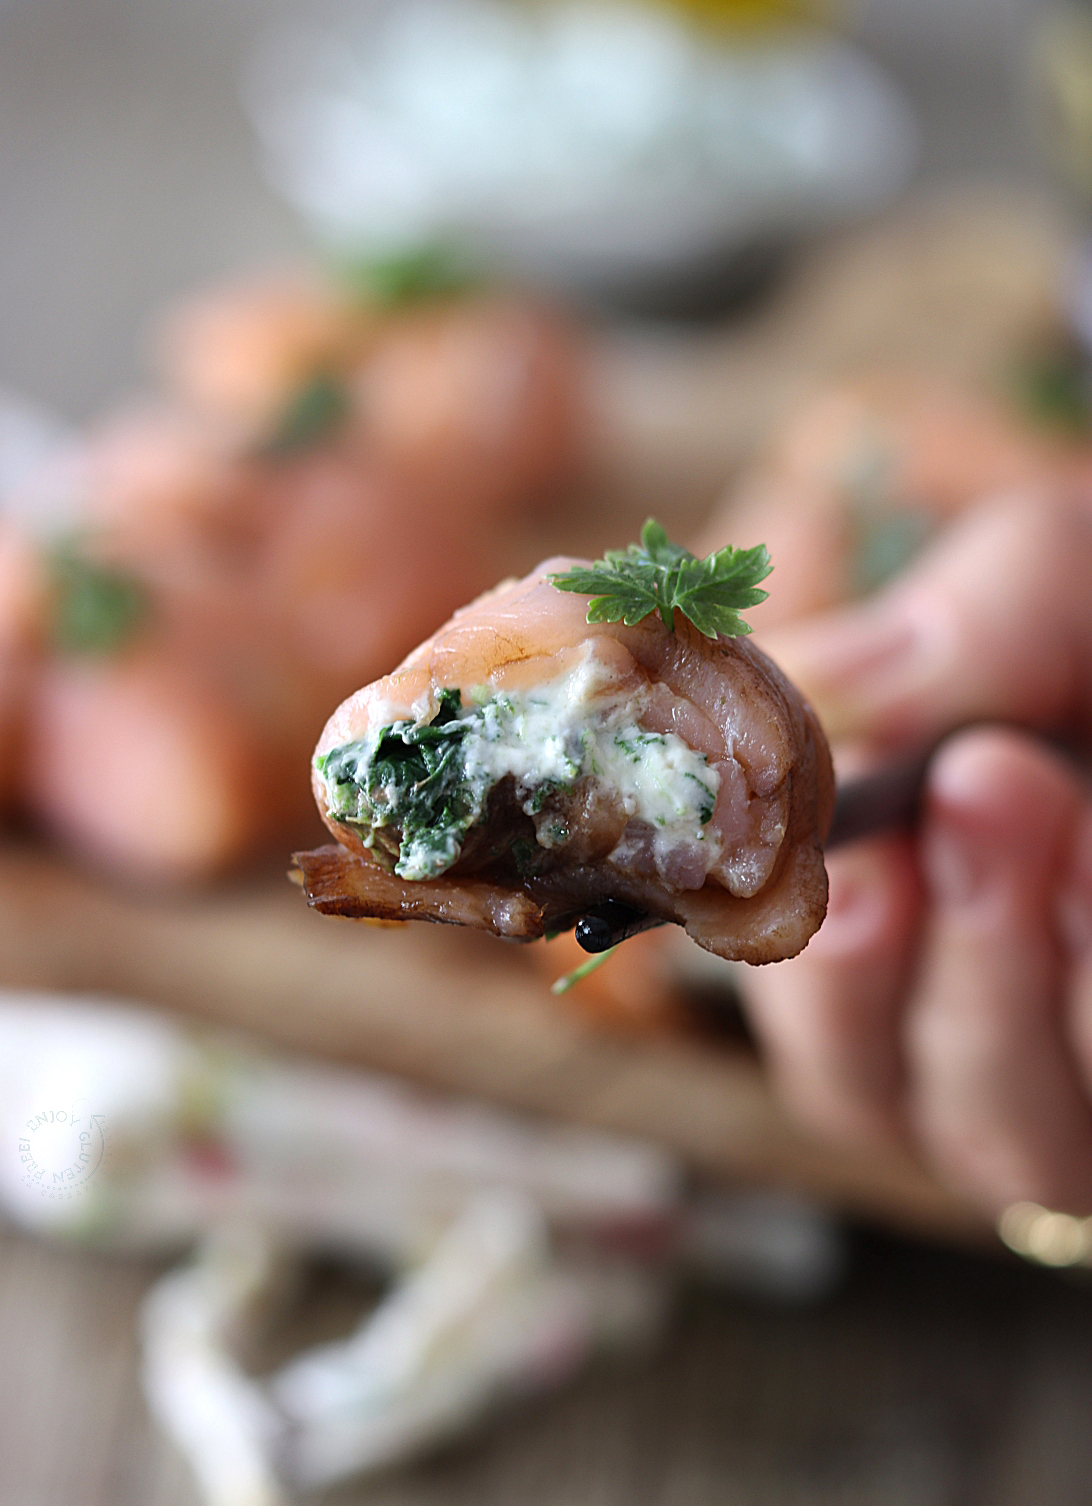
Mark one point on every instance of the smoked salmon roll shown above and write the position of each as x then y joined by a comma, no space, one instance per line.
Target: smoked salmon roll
142,768
240,353
484,385
867,472
487,387
526,766
193,658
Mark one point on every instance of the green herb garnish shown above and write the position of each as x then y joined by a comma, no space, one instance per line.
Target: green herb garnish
313,412
1055,389
628,585
570,980
410,277
97,609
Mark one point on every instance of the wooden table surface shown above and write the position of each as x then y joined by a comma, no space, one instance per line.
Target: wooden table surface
934,1379
458,1010
931,1379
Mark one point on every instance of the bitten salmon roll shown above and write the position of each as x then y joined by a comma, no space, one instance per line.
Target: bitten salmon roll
526,765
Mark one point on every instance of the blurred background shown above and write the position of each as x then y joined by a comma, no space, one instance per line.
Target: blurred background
161,185
316,320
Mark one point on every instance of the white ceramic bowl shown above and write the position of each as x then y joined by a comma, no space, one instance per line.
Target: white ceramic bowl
604,149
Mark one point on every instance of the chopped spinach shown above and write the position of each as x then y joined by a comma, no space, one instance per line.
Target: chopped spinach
412,778
414,790
545,789
634,746
527,856
709,802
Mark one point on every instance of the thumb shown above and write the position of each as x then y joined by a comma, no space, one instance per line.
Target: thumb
994,622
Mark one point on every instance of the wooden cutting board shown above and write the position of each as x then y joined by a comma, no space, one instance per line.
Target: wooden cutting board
457,1010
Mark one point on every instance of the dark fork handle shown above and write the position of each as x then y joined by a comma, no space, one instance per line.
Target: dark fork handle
610,923
882,801
875,802
891,797
886,800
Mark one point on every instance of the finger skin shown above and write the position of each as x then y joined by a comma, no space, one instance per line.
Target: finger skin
995,1095
1074,917
829,1019
807,531
994,622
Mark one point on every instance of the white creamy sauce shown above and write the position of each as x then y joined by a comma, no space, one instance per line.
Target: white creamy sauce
579,732
571,728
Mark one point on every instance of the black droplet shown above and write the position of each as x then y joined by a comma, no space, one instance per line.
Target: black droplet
594,934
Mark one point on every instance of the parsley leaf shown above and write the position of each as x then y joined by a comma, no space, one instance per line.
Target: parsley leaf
628,585
312,414
408,277
97,609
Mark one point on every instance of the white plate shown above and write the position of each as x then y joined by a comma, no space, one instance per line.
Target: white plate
599,148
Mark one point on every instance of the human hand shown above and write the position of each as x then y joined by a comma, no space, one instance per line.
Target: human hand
947,1000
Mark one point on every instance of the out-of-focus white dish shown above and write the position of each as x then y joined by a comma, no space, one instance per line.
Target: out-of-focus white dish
598,147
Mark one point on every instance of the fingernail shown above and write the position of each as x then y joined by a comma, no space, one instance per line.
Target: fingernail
954,871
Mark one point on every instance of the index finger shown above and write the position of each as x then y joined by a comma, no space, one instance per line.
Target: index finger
995,621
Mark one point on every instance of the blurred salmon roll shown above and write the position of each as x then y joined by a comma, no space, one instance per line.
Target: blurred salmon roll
192,662
141,767
483,386
335,579
239,558
866,472
477,384
22,616
240,353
